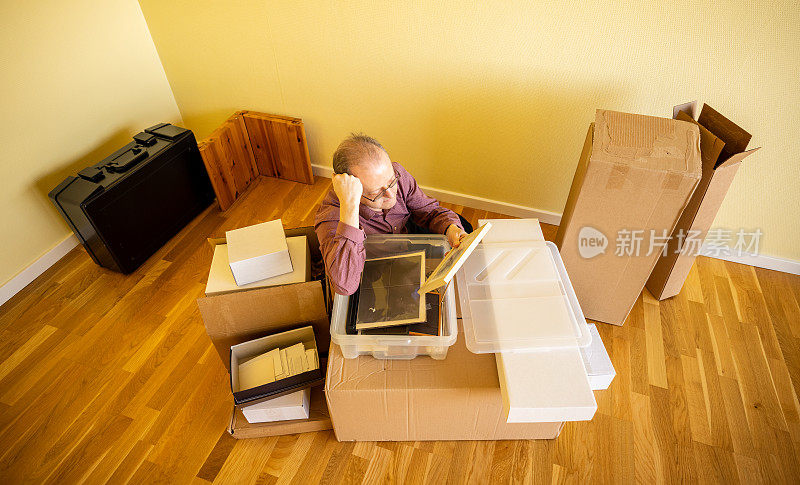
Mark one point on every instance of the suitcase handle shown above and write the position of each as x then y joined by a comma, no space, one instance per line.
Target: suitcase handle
127,160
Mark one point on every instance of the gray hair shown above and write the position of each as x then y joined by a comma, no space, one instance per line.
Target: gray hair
355,149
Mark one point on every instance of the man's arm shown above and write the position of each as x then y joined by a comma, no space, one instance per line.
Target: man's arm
342,241
342,249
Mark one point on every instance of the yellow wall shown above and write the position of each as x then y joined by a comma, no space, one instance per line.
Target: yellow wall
493,98
78,78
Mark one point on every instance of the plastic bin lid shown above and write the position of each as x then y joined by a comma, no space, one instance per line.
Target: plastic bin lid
516,296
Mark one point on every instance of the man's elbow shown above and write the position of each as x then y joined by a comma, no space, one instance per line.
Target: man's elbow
344,287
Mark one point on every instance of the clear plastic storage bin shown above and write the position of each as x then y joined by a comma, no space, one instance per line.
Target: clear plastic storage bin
399,346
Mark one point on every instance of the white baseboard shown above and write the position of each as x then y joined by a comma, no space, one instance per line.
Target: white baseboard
757,260
27,275
473,201
554,218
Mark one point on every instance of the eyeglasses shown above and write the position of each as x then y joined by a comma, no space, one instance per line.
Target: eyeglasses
383,191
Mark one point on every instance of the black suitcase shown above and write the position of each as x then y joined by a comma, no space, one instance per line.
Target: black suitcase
126,207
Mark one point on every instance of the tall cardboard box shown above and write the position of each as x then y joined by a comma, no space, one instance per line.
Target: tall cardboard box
722,146
636,173
422,399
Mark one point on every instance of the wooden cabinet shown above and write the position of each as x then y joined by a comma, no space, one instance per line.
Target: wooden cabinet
249,144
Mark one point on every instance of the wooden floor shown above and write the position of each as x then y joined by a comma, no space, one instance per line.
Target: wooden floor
105,377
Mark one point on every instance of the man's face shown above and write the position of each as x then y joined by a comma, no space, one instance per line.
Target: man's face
375,175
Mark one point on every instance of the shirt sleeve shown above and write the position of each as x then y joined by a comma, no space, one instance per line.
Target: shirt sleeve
426,211
342,247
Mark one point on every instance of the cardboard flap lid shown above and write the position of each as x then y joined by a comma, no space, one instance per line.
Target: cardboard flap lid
232,318
735,137
710,145
236,314
734,159
647,142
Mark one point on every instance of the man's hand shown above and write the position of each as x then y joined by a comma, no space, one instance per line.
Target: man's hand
454,235
348,189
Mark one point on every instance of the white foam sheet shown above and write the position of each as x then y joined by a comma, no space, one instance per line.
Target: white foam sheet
513,230
598,364
545,387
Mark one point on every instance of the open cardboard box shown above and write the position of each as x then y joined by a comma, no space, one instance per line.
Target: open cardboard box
238,317
280,387
723,146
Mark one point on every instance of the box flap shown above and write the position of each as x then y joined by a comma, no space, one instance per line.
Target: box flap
646,142
234,318
710,145
734,159
735,137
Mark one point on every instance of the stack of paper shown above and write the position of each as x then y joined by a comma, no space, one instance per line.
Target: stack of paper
258,252
275,365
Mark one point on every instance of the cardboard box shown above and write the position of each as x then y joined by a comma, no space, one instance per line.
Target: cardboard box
636,173
422,399
280,387
722,146
318,420
258,252
233,318
289,407
220,276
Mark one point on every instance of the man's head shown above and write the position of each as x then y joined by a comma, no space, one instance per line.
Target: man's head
363,157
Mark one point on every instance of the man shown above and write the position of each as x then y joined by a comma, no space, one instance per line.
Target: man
373,195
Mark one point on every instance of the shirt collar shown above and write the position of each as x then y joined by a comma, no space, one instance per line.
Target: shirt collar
366,212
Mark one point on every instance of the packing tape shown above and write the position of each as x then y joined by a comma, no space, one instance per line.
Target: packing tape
672,181
617,177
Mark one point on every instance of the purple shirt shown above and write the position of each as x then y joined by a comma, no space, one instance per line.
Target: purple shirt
342,245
